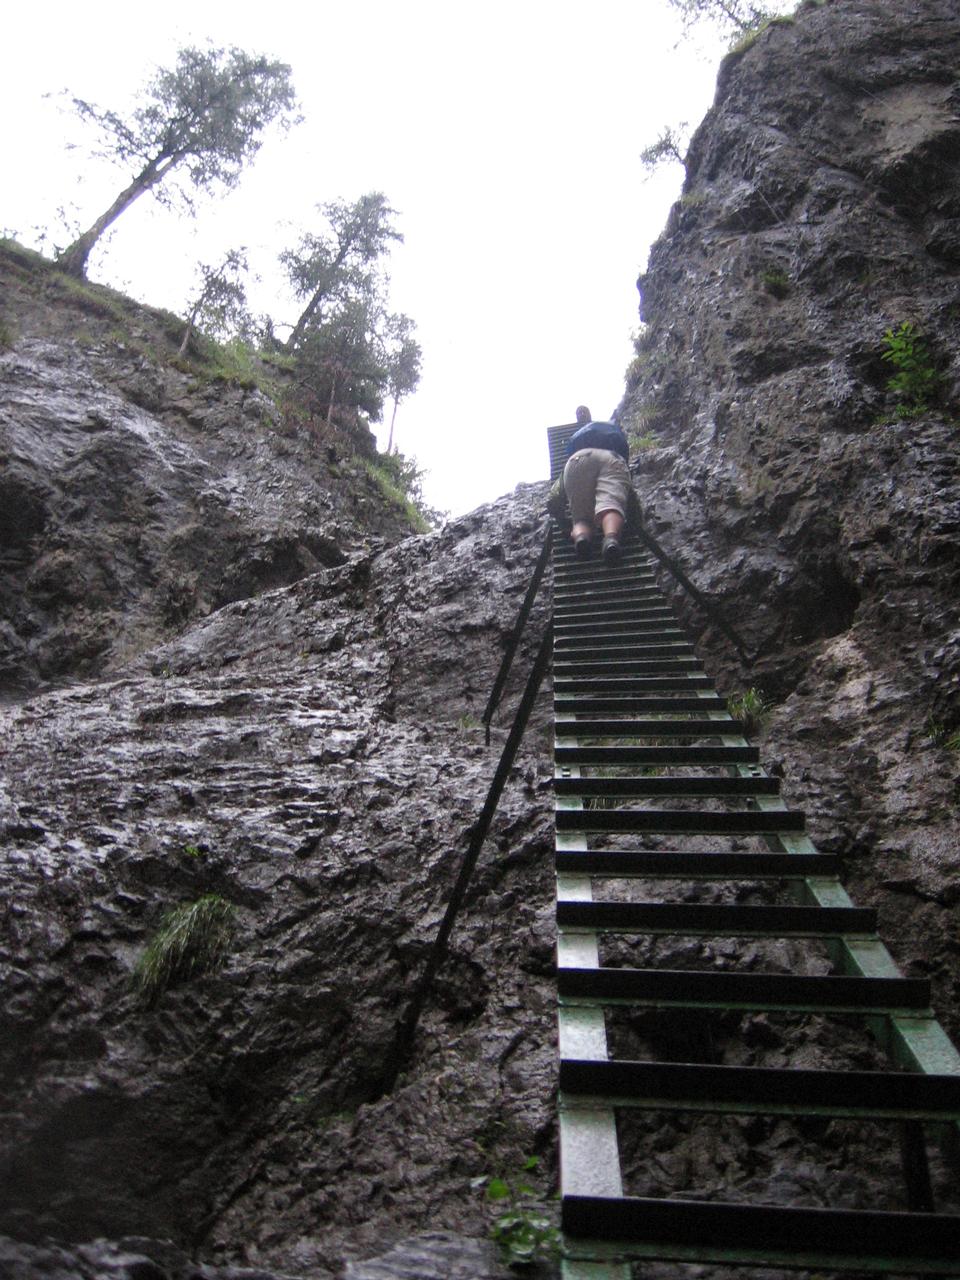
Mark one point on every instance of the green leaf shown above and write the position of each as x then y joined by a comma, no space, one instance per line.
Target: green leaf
497,1189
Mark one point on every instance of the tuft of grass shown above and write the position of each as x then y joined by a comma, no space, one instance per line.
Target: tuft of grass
648,440
192,938
234,361
394,494
776,283
748,36
751,709
941,736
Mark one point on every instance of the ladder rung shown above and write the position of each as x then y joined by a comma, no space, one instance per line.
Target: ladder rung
646,666
677,821
623,613
640,618
567,611
619,653
630,684
708,1230
669,786
656,755
577,706
628,574
763,1090
724,989
715,920
648,728
670,864
607,640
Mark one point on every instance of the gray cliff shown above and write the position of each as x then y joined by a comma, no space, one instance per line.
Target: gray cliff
228,672
826,525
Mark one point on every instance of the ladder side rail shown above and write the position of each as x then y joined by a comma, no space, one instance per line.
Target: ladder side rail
517,633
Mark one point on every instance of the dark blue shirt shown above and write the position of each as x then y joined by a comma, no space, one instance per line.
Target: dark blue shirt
599,435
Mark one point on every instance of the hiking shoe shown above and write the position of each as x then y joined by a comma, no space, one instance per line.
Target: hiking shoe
583,547
612,550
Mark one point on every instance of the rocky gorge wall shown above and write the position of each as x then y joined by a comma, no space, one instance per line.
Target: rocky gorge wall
300,738
140,490
820,209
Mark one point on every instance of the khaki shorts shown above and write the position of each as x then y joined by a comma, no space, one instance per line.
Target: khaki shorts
595,481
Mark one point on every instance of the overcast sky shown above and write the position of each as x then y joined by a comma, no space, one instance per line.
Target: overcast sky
507,136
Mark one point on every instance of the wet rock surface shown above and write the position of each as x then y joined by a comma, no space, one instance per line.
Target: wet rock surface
135,496
820,518
307,748
312,757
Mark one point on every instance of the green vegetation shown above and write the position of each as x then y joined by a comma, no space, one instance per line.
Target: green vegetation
776,282
203,117
192,938
522,1231
646,440
7,335
237,362
751,709
669,148
350,352
220,305
748,38
941,736
742,19
467,723
401,490
916,380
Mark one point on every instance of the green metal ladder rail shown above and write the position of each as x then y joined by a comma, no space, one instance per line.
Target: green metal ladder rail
619,652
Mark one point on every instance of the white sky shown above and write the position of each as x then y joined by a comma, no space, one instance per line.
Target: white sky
506,135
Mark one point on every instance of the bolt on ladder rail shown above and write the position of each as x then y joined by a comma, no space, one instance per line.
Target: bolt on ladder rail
638,723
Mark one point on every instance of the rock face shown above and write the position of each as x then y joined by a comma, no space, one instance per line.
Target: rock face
293,730
820,210
310,757
136,495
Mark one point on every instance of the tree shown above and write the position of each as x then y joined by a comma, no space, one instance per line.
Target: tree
221,304
339,361
327,268
741,15
204,117
350,351
403,355
670,145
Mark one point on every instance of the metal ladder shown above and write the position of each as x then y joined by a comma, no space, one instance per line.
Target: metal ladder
636,718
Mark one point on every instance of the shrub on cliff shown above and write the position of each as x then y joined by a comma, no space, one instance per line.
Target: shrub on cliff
917,380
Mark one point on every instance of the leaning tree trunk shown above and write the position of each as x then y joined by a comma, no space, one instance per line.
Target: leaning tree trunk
73,260
393,418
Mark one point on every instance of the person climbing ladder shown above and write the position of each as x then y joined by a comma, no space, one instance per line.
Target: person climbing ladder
596,481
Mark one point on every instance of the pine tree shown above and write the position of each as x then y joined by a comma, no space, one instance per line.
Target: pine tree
203,117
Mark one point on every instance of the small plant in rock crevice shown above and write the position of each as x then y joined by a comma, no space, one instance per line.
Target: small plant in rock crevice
751,709
522,1231
916,380
648,440
191,939
941,736
776,283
